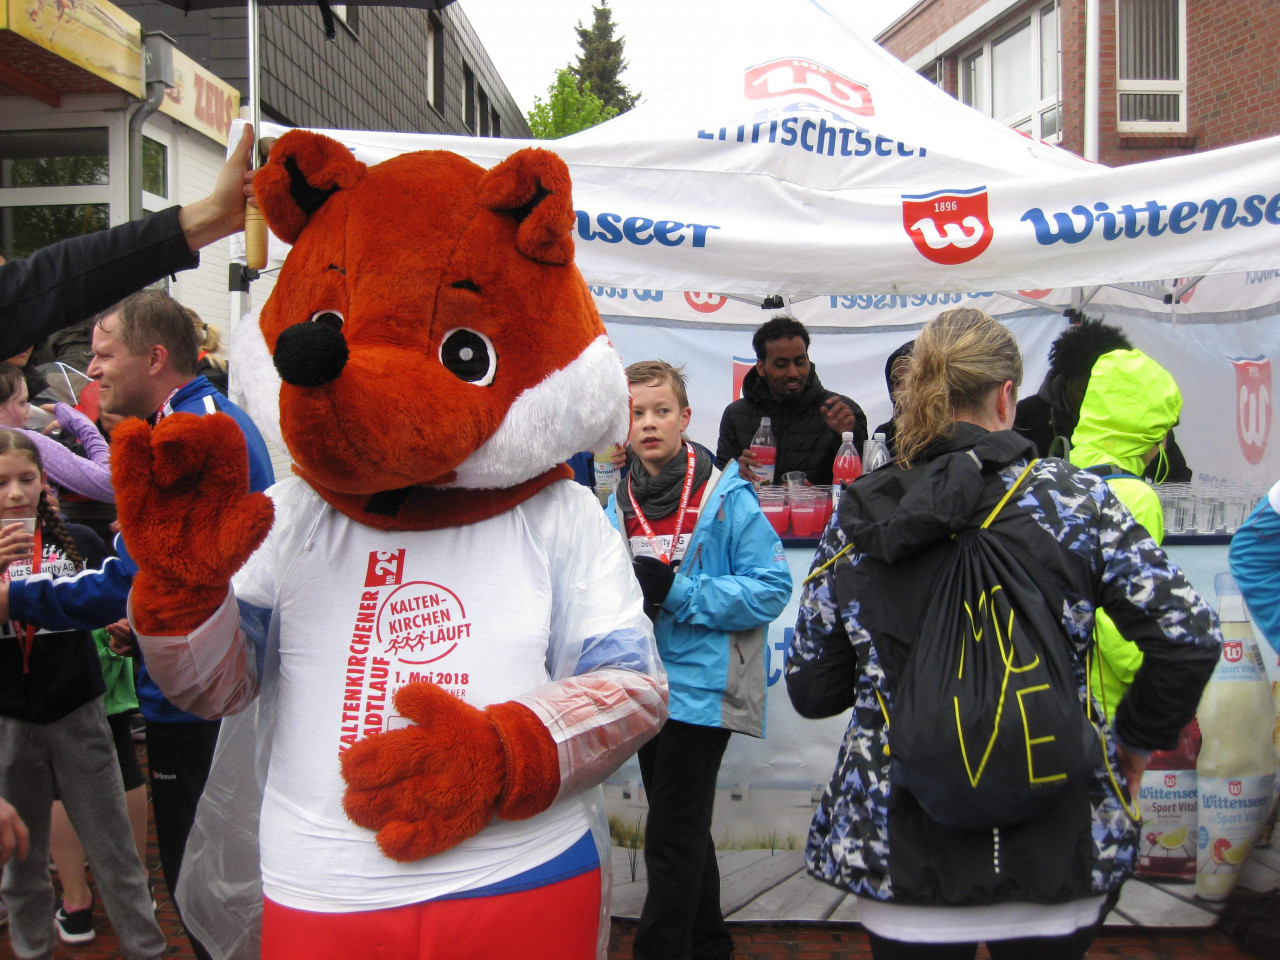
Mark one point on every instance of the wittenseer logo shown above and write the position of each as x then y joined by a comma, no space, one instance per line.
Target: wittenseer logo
1253,405
704,302
791,76
948,226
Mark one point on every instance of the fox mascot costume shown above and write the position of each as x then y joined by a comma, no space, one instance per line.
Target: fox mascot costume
430,639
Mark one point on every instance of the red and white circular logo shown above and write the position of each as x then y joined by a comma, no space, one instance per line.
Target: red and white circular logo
704,302
422,622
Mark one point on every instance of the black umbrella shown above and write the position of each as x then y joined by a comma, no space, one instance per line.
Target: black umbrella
255,228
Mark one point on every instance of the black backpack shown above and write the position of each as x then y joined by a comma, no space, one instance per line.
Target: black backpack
987,728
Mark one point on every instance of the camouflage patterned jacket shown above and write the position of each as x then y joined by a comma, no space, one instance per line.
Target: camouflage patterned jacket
856,623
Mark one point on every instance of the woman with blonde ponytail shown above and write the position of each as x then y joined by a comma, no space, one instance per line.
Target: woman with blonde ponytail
1039,886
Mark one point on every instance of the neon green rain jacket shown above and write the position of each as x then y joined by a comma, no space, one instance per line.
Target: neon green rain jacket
1130,405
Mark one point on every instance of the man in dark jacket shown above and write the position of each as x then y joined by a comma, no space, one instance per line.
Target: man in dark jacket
70,281
807,419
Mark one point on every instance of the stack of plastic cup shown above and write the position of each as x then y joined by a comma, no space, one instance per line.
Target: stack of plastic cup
773,501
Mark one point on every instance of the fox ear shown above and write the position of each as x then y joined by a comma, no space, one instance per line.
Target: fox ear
532,186
304,170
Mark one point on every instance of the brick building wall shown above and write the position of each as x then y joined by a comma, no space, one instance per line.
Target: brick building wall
372,77
1233,71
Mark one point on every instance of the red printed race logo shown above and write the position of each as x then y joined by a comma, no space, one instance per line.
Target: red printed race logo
948,226
704,302
1232,651
422,622
1170,780
789,76
1234,787
740,369
386,567
1253,405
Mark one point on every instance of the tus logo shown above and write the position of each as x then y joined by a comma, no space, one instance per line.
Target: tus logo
949,227
1253,405
789,76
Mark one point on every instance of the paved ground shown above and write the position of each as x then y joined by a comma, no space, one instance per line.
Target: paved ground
754,941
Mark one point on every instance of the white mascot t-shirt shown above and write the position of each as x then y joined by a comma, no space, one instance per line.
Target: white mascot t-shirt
361,613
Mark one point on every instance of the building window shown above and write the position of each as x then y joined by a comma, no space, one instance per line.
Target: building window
469,98
155,168
54,184
433,58
484,112
1151,65
1015,76
495,124
933,73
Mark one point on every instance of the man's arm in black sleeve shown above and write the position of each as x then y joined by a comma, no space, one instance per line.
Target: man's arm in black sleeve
73,279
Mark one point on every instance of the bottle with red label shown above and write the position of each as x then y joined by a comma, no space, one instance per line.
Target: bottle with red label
1168,801
847,467
765,450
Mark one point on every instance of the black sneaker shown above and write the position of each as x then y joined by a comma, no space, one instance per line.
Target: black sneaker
75,926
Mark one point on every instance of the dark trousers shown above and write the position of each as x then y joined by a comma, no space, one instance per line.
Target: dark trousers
681,918
178,757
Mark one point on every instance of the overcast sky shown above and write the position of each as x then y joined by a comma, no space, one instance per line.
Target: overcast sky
529,40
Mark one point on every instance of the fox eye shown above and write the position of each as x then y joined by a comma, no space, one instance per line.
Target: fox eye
469,356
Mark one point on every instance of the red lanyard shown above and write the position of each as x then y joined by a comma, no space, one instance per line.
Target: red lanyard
691,461
30,640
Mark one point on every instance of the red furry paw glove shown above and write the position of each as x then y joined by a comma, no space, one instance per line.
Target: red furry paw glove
188,518
428,787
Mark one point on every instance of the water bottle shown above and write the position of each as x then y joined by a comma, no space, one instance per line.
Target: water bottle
1237,764
606,474
765,450
846,469
875,453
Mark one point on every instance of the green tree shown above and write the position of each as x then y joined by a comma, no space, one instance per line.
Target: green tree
567,109
601,61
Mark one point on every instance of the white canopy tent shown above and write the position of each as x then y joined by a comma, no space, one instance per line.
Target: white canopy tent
800,162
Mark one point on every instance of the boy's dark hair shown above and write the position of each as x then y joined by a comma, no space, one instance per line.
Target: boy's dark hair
1078,348
780,327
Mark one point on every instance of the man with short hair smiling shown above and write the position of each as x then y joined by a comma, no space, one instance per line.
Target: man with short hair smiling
806,418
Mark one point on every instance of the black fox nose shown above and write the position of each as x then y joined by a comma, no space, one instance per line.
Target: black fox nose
310,354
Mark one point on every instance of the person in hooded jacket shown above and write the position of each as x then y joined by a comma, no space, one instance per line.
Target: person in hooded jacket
714,575
1128,409
1038,888
807,419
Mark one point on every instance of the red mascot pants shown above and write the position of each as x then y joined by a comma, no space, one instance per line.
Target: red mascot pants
555,922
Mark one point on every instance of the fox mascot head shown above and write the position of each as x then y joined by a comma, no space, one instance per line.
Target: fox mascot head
439,355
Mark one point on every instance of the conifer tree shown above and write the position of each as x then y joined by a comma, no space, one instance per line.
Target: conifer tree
601,62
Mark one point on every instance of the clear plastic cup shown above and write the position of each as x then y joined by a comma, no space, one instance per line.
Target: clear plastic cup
773,501
806,511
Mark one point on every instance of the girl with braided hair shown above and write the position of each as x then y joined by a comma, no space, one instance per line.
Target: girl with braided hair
54,738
